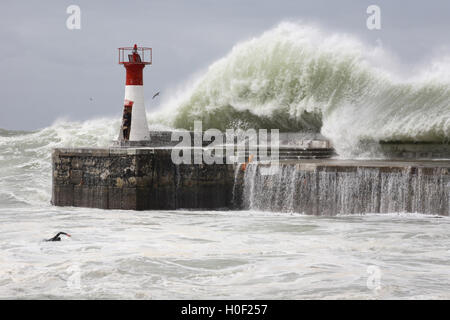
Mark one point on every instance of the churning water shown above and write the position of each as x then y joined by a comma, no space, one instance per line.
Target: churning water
291,78
199,254
186,254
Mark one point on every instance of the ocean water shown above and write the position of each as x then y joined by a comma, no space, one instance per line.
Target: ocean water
199,254
223,255
293,78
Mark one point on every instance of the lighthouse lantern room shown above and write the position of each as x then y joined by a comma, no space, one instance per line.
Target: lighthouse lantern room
134,121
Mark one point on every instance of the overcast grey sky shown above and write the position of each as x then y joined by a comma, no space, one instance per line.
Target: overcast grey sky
50,72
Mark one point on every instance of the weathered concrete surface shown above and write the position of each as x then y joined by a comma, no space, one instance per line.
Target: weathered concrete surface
418,150
158,139
408,150
349,163
136,178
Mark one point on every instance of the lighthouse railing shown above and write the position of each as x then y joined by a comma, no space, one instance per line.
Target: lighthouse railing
144,52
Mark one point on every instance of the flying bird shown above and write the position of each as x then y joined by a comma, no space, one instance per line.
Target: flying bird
155,95
57,237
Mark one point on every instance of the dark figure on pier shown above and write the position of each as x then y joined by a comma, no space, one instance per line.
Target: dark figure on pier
57,237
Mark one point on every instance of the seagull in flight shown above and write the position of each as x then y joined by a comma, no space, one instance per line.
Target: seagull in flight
155,95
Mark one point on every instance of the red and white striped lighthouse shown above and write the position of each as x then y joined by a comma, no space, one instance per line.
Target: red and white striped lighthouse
134,122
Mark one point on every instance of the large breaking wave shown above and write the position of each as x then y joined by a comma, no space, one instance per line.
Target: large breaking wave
299,78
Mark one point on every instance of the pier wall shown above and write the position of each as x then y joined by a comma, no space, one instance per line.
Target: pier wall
331,187
147,179
137,179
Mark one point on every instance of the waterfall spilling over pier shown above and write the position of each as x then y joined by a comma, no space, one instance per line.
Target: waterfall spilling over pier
330,187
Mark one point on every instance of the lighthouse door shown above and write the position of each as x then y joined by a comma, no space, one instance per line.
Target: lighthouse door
126,120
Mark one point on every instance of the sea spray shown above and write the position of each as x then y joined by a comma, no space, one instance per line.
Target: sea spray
25,157
298,78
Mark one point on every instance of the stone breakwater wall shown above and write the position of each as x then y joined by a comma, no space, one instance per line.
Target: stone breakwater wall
147,179
137,179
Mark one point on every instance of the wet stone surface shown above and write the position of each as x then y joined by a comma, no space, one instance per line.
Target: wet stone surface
138,179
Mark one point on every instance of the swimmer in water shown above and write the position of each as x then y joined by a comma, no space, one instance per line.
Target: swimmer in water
57,237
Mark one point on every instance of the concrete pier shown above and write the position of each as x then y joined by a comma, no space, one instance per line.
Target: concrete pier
147,179
136,179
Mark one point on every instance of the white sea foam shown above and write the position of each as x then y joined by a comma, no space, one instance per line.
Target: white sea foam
297,77
197,254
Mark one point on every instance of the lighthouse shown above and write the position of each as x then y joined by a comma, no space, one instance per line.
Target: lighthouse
134,121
